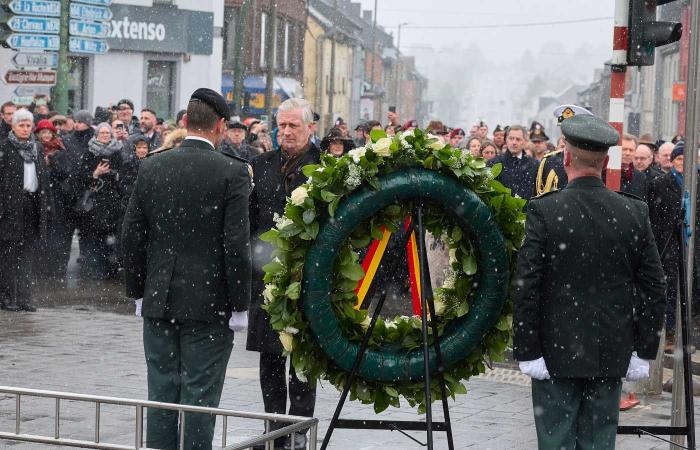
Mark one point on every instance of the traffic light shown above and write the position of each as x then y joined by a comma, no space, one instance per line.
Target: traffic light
646,33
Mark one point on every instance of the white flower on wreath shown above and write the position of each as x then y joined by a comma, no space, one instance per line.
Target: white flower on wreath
291,330
437,144
357,153
269,293
287,341
281,221
354,178
382,147
299,195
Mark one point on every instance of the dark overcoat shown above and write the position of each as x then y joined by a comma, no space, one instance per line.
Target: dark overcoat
518,174
185,235
269,197
590,289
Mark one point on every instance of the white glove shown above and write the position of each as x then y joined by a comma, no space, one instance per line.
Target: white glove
638,368
536,369
238,321
138,302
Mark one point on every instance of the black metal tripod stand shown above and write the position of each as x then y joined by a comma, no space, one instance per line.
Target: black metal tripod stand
427,305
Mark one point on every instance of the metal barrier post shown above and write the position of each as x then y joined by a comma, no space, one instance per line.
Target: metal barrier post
224,431
182,430
17,413
57,426
97,422
139,427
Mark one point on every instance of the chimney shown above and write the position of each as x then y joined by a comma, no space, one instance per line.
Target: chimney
355,9
367,15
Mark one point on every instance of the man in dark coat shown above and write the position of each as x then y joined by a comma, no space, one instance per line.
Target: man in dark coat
147,131
234,141
187,256
664,212
589,296
25,203
276,175
519,171
6,111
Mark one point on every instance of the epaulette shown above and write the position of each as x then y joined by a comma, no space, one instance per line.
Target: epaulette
243,160
555,152
158,151
627,194
544,194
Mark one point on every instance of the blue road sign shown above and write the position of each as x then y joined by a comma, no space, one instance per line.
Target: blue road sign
92,46
36,7
89,12
44,59
88,28
33,41
30,91
28,24
95,2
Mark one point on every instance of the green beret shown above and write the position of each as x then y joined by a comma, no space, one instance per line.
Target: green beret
213,99
589,133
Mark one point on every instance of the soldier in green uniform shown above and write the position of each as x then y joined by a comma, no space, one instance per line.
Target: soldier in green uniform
187,256
588,298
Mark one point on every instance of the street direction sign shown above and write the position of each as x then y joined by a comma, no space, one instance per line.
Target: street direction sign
30,77
32,41
46,8
49,60
89,12
88,28
31,91
28,24
92,46
95,2
17,100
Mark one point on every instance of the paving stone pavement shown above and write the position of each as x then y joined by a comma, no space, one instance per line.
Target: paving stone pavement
84,350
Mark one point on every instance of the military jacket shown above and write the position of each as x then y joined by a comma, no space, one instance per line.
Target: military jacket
589,288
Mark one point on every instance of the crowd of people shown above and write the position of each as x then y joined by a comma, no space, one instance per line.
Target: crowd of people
74,175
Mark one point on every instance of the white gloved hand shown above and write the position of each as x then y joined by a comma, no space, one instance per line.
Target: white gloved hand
638,368
238,321
536,369
139,303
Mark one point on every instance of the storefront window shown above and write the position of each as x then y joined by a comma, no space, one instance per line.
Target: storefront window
160,88
77,82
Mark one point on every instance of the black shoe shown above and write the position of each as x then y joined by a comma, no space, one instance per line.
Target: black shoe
27,307
298,444
12,307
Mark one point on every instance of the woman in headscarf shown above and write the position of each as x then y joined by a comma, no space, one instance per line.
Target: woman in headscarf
101,169
24,205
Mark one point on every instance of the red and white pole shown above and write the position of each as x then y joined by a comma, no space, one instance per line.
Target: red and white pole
617,91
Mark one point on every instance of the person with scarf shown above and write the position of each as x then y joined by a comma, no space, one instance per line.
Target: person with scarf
664,200
100,173
275,176
24,207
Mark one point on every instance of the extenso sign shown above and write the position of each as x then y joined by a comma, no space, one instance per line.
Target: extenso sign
128,29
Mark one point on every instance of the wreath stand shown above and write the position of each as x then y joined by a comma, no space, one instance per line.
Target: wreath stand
427,304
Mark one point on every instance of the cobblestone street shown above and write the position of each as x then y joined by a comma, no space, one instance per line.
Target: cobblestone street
83,350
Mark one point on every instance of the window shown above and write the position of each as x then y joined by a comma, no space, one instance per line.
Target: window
230,28
160,87
263,30
77,82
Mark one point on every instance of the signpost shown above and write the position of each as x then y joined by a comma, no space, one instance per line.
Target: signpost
30,77
46,8
89,12
32,41
88,28
31,91
83,45
29,24
47,60
96,2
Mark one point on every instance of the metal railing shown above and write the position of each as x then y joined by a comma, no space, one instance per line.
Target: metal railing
296,423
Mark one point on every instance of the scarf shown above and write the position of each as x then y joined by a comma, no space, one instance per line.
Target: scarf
26,149
53,146
627,172
678,176
97,148
290,164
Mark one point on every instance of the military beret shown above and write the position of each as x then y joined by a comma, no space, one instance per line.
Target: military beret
236,124
213,99
589,133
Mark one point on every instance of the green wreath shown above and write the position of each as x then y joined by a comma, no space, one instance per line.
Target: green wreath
347,202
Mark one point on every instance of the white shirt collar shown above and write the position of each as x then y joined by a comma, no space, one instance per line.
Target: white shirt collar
199,138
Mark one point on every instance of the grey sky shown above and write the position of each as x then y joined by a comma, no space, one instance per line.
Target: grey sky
506,42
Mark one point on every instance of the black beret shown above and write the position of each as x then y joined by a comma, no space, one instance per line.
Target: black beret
589,133
213,99
236,124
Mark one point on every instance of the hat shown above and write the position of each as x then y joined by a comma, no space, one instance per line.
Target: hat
317,117
45,124
213,99
392,109
589,132
83,116
339,121
102,114
58,118
563,112
482,124
498,129
537,133
457,132
677,150
236,124
360,126
649,141
413,123
335,135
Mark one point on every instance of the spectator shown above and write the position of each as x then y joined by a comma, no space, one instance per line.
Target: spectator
101,169
335,143
482,131
456,137
120,131
234,142
178,118
519,170
473,145
173,140
125,113
167,128
488,150
7,110
390,130
633,181
393,117
664,214
644,162
343,126
63,124
663,157
25,206
103,114
367,128
499,137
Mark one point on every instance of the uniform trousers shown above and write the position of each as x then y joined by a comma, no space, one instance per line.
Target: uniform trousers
186,363
302,397
576,413
16,256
